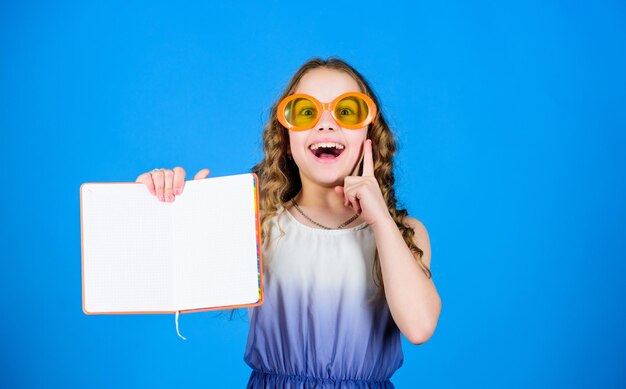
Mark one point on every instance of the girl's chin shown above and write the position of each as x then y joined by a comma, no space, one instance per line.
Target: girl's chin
327,181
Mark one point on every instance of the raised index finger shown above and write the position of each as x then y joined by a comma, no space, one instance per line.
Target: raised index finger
368,160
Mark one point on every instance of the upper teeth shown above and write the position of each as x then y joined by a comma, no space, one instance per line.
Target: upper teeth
315,146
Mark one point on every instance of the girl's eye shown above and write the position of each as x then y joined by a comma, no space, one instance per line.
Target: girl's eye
345,111
307,112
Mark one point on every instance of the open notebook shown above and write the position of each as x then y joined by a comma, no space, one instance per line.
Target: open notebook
198,253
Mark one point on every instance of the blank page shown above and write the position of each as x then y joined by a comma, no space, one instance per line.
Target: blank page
140,255
126,249
215,243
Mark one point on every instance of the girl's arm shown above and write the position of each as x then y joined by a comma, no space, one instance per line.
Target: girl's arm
412,297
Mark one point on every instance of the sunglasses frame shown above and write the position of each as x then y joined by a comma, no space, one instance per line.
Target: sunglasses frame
371,115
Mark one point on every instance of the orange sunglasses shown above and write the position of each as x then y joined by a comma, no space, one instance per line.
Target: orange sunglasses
352,110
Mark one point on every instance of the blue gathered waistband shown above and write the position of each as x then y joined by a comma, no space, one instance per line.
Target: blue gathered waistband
263,376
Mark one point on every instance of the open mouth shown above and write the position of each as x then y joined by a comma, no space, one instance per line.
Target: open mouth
327,150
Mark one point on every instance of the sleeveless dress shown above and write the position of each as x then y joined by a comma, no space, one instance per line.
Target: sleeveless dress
316,328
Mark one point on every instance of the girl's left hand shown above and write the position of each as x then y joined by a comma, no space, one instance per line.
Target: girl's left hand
363,193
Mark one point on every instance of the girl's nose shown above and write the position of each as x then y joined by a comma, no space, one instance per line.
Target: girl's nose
327,122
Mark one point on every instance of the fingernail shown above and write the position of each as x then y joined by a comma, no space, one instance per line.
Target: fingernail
160,197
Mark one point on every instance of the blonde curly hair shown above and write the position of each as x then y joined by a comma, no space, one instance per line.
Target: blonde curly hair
279,178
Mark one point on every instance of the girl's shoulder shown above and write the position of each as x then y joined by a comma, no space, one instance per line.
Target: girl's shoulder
421,238
415,224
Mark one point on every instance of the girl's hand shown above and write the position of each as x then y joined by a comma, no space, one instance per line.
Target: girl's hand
363,193
167,183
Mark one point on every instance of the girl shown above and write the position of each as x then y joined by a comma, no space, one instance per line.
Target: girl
345,271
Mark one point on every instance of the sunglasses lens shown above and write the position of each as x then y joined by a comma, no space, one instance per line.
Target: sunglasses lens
301,112
351,110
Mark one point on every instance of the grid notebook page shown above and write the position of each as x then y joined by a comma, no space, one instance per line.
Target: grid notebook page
127,249
214,244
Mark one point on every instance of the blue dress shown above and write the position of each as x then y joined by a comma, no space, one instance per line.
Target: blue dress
317,327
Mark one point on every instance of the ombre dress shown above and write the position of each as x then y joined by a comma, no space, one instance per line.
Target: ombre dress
316,328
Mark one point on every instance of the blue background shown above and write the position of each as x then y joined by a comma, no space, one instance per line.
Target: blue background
511,122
